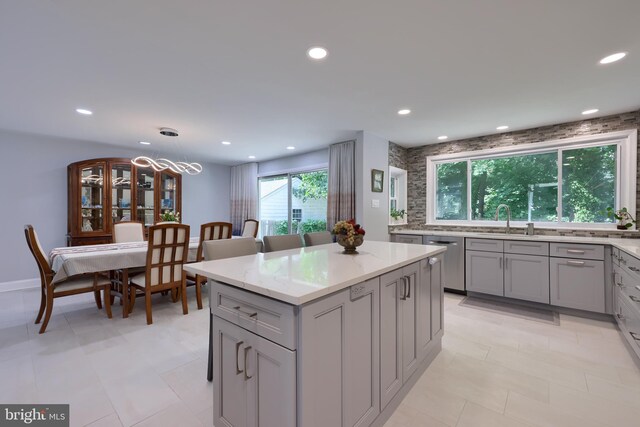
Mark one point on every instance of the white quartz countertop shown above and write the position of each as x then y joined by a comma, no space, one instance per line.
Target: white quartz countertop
631,246
297,276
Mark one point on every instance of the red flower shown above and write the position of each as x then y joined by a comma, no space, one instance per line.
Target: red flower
360,231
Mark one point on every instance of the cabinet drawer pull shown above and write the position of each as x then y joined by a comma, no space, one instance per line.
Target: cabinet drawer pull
433,261
635,336
254,314
580,263
238,344
246,351
634,269
637,288
620,284
619,316
575,251
634,298
408,286
403,297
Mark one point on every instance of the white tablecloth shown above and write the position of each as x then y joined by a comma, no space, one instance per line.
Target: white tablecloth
69,261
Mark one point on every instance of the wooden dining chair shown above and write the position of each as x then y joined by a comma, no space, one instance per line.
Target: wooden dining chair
71,286
209,231
222,249
128,231
250,228
318,238
280,243
167,252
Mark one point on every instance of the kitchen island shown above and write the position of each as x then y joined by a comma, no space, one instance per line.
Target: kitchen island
313,337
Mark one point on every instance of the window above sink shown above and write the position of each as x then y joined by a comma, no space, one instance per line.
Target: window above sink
563,183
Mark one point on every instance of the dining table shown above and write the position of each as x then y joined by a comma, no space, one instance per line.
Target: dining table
113,258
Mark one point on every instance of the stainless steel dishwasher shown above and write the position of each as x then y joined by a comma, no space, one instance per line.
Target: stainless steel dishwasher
453,278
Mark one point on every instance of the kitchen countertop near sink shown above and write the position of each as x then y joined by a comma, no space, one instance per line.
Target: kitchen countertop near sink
631,246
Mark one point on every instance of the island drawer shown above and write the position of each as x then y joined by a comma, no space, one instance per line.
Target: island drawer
486,245
526,248
271,319
574,250
630,264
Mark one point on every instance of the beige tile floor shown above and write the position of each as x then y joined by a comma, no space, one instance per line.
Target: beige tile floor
494,370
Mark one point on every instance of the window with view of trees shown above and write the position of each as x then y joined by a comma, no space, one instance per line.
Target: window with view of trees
562,184
293,203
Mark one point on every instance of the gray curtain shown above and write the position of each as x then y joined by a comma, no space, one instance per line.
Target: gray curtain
244,195
341,198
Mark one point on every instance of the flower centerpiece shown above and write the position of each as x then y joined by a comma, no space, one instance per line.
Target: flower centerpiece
170,216
349,235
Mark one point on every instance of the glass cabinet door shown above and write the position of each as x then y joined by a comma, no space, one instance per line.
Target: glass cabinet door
120,193
145,196
92,198
168,186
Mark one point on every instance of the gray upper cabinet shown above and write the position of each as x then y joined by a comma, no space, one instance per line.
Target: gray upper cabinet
526,277
484,272
577,284
339,357
251,367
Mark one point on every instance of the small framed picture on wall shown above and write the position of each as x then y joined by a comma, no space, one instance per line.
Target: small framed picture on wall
377,180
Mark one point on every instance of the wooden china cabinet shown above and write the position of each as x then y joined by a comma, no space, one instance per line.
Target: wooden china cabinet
103,192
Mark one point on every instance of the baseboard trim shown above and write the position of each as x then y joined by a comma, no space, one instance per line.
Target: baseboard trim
18,285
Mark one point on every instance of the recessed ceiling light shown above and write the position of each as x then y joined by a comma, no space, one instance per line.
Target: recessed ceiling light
593,110
226,143
404,111
317,52
145,143
252,157
291,147
613,58
84,111
443,137
503,127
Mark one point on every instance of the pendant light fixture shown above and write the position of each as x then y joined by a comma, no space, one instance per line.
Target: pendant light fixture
161,164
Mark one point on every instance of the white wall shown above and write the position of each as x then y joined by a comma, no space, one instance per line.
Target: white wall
299,162
34,191
372,152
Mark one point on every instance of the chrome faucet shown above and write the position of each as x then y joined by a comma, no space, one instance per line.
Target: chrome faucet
508,215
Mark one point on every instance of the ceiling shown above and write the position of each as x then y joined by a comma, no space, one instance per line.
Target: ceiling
230,70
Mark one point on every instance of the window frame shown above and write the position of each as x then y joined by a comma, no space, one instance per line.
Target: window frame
626,173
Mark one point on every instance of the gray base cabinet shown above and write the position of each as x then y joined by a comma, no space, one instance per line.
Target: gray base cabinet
354,353
484,272
577,284
526,277
250,368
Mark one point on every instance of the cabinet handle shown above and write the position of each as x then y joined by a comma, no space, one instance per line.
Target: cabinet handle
254,314
403,297
622,260
408,286
580,263
238,344
246,351
637,287
620,284
619,316
635,336
634,298
575,251
634,269
433,261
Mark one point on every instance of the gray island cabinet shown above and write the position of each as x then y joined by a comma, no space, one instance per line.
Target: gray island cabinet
312,337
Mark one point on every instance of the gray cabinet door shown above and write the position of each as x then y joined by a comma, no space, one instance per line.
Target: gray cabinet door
484,272
271,369
362,373
437,297
577,284
391,288
410,329
231,410
526,277
423,294
339,358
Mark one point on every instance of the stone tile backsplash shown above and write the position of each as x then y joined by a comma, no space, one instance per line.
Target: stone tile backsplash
413,160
